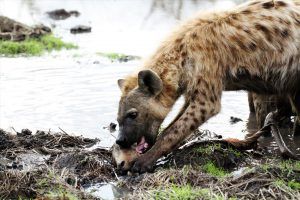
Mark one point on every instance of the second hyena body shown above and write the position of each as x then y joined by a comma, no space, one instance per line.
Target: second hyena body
253,47
261,105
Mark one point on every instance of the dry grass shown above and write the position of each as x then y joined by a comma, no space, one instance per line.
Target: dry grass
206,174
254,183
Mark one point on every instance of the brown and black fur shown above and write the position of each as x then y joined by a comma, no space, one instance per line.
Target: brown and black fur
253,47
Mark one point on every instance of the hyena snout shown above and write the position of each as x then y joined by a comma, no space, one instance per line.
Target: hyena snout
122,141
125,140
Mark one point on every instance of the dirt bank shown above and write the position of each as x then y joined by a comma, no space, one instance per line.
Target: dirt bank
48,165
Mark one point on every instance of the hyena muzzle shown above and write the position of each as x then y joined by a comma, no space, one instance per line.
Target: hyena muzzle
253,47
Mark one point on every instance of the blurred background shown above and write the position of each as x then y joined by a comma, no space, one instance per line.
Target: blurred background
76,90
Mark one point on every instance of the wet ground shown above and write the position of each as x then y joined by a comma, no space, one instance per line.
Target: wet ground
48,165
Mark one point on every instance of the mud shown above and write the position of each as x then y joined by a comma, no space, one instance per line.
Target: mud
32,165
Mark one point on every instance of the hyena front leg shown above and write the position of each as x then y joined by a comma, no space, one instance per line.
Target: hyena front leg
204,102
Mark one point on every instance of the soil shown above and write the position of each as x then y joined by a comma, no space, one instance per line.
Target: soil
31,165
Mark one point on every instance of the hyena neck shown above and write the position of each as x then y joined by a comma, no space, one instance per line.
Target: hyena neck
165,62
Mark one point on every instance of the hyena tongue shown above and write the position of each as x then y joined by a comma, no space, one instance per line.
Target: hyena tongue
141,146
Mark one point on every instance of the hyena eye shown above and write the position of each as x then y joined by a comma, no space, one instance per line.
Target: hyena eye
132,115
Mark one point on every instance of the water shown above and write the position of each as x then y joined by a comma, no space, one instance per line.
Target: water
107,191
76,90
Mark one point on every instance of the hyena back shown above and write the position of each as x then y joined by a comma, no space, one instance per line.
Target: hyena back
253,47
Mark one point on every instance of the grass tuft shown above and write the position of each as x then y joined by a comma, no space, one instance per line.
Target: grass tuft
33,46
118,56
184,193
212,169
208,149
295,185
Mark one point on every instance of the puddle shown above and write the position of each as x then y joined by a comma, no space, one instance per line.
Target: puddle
107,191
30,161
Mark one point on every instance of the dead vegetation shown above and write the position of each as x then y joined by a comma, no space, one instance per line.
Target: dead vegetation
60,166
251,183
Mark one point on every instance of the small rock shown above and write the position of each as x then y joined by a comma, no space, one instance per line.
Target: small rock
61,14
234,120
18,37
5,36
112,127
74,13
218,136
42,27
81,29
24,132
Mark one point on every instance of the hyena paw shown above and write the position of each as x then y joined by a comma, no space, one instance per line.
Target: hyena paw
142,165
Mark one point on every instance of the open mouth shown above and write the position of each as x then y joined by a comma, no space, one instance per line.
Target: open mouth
142,146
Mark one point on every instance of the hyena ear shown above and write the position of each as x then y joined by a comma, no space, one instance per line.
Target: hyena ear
121,83
150,82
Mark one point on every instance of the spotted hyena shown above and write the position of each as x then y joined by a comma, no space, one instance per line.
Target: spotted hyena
253,47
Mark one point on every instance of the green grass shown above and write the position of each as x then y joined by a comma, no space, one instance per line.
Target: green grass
61,194
295,185
117,56
33,47
53,186
212,169
184,193
113,56
289,165
208,149
235,152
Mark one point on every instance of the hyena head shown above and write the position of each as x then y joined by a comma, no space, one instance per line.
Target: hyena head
140,113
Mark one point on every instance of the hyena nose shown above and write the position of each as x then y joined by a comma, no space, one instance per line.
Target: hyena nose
122,141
